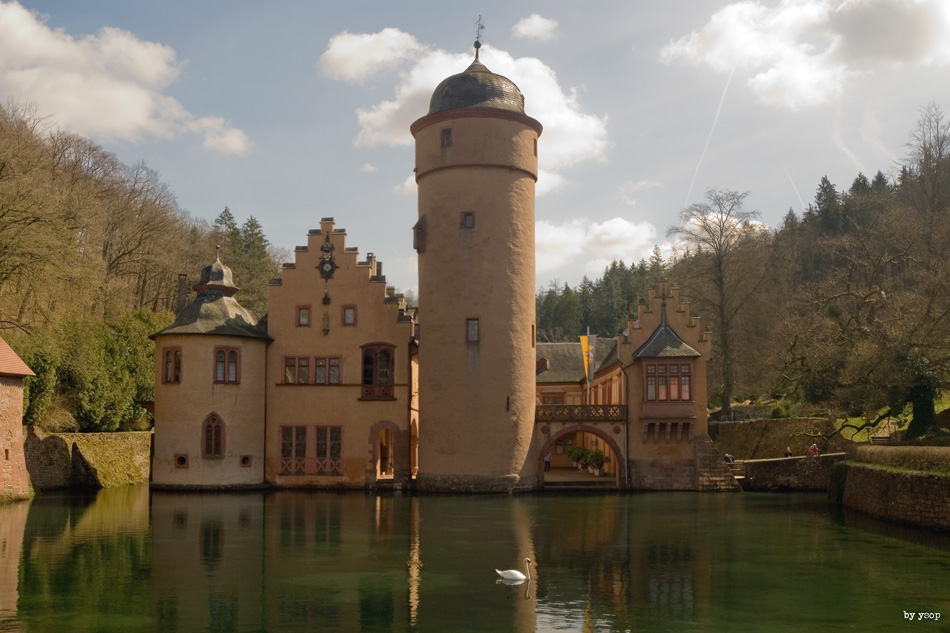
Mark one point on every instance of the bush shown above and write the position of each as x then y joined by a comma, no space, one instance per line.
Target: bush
596,459
778,411
577,453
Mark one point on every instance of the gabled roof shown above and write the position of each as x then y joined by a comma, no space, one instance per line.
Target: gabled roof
10,363
566,362
665,342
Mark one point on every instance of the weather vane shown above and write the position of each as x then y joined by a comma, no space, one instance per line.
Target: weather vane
479,27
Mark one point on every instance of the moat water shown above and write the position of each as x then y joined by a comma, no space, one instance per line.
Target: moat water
133,560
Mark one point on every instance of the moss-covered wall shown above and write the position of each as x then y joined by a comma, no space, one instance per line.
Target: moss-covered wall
904,484
766,439
88,460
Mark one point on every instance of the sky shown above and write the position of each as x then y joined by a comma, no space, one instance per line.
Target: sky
291,111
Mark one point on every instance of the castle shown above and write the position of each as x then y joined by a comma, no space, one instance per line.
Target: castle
341,385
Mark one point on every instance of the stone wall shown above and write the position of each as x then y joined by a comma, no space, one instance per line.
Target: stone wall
793,473
14,483
766,439
879,483
88,460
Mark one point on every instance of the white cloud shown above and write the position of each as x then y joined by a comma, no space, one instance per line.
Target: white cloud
369,168
629,187
558,245
535,27
407,187
221,138
570,135
548,181
107,86
803,52
354,57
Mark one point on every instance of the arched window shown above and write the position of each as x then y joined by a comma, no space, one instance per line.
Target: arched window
172,369
378,361
227,364
212,437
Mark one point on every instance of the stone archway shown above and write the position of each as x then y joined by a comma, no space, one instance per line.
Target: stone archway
388,452
621,474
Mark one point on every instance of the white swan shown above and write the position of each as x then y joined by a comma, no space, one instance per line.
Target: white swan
514,574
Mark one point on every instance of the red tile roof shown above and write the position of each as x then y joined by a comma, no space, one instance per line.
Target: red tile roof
10,363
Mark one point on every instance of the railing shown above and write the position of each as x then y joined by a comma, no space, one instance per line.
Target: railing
580,412
377,392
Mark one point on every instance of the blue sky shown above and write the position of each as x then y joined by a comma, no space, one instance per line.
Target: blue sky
293,111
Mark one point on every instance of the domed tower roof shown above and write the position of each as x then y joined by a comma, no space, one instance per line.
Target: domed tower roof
477,87
476,92
216,278
215,310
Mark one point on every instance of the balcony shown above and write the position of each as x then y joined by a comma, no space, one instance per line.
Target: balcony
580,413
378,392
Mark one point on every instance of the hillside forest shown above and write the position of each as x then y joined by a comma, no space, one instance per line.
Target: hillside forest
845,307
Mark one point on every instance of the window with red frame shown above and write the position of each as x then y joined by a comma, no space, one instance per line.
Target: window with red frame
227,365
213,437
668,382
326,371
171,371
297,370
303,316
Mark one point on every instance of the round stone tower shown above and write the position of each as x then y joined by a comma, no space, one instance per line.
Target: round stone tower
476,169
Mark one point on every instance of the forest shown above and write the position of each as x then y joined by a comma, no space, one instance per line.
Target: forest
90,254
845,307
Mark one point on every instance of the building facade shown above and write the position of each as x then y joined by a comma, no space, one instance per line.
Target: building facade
14,478
340,385
476,168
643,404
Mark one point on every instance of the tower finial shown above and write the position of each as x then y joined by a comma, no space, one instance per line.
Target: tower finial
479,27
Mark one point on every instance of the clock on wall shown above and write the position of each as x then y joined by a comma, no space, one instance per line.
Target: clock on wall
326,266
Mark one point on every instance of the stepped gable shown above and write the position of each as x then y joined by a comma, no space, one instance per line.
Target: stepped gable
665,342
215,310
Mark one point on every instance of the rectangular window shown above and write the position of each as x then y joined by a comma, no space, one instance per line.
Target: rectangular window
349,315
674,386
171,371
661,387
303,316
329,450
467,220
297,370
684,388
227,365
471,330
557,399
293,450
651,388
447,137
326,371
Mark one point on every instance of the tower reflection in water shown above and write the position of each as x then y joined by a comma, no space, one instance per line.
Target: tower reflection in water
133,560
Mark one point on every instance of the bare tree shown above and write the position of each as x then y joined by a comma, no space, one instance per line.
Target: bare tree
722,270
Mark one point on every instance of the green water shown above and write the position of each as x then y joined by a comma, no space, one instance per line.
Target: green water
133,560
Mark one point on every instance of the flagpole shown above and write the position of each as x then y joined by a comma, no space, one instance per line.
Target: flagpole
587,377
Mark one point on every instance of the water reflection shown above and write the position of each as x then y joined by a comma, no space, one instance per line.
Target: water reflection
130,560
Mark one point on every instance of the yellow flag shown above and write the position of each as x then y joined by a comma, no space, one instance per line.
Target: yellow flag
588,345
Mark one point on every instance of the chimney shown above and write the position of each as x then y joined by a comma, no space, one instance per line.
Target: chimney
182,292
